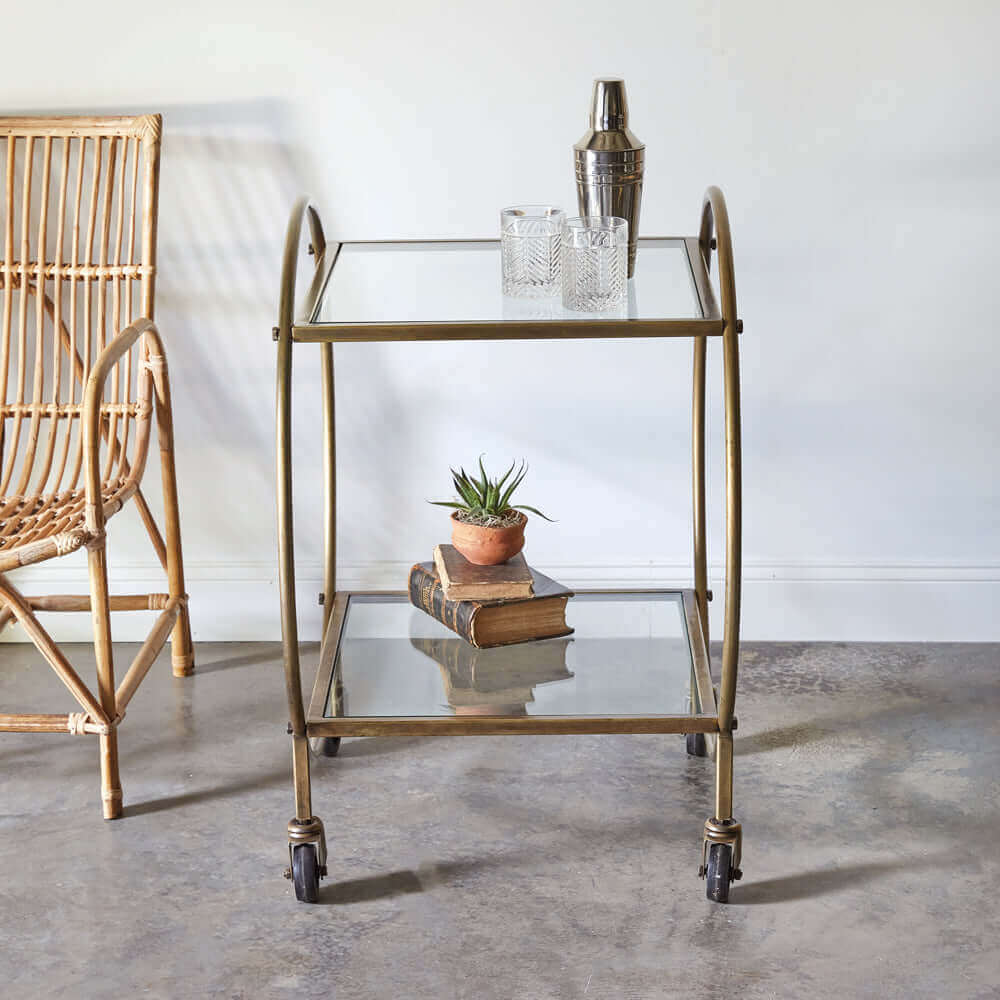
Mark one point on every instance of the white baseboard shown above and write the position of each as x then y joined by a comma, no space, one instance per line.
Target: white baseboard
870,602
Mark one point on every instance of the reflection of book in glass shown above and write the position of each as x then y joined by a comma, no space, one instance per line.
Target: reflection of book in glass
497,681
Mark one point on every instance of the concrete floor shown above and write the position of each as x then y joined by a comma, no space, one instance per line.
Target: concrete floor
534,867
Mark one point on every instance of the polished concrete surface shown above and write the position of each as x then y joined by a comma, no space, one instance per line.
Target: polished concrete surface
503,867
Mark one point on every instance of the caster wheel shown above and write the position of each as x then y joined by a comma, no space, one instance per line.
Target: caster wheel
305,873
696,744
327,746
719,872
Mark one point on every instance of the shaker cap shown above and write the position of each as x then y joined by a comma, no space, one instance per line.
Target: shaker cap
609,106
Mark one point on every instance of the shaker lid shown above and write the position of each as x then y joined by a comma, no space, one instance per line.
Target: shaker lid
609,106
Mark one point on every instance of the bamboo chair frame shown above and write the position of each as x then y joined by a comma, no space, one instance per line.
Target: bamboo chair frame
81,382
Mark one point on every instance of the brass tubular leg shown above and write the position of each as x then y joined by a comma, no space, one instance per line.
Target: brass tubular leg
300,772
286,543
698,483
283,434
329,486
714,212
111,789
724,777
722,828
181,648
303,828
734,530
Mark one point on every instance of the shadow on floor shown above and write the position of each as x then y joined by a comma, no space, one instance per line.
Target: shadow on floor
231,788
871,717
780,738
365,890
405,881
231,663
809,884
376,746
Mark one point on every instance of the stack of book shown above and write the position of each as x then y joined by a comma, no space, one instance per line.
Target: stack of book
490,605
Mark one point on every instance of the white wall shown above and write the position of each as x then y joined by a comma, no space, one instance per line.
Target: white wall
858,147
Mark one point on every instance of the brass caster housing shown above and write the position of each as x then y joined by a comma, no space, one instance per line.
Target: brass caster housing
720,858
307,831
307,853
722,831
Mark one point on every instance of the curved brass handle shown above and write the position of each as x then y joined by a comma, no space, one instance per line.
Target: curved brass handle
283,397
715,235
302,209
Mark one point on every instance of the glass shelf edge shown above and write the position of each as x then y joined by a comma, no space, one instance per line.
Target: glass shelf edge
320,333
500,725
458,240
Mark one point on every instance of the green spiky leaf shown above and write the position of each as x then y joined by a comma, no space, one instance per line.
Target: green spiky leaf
486,497
505,476
521,473
465,490
524,506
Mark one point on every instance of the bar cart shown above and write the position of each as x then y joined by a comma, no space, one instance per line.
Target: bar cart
368,682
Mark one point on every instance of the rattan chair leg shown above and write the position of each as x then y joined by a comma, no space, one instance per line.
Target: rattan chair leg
181,645
111,788
152,528
181,648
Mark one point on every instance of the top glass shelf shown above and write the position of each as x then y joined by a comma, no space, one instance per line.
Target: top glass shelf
441,290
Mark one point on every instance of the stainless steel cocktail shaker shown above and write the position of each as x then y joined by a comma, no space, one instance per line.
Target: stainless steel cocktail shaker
609,162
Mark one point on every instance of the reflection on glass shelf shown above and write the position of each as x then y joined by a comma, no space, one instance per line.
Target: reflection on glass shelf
446,282
495,681
630,655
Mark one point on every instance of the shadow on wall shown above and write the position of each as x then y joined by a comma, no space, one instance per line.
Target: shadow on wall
230,173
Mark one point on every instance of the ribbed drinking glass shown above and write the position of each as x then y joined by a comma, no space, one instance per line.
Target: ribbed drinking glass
594,263
530,250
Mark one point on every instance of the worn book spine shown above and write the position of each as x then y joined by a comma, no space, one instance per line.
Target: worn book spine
427,594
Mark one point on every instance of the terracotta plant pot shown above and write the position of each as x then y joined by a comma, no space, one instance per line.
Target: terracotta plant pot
487,546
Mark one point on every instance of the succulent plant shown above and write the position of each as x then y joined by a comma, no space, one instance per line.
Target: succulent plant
486,501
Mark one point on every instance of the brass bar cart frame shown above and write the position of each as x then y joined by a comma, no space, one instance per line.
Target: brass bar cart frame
712,721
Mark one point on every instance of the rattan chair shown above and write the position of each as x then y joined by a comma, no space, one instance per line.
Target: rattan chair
81,388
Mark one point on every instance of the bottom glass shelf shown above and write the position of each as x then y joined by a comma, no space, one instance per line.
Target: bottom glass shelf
631,656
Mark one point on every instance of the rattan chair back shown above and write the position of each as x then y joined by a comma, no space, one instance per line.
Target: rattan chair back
77,264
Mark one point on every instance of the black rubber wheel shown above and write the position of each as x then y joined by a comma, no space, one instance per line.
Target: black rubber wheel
328,746
696,744
305,873
719,872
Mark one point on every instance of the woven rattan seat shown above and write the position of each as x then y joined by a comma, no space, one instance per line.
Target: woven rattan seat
40,528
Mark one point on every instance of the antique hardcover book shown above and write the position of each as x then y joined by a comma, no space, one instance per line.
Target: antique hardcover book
465,581
494,623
